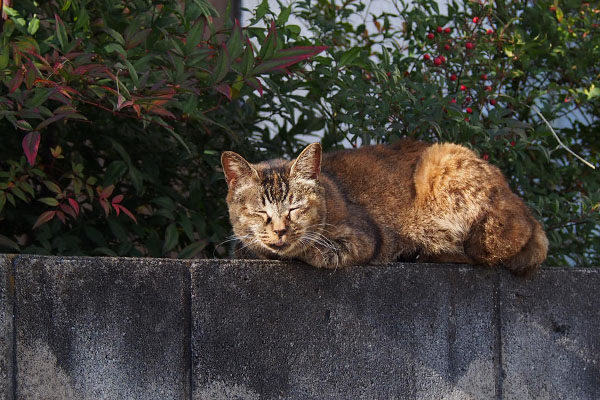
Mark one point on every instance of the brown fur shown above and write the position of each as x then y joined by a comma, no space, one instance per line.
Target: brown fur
439,202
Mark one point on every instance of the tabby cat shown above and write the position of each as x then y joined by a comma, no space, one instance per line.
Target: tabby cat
409,200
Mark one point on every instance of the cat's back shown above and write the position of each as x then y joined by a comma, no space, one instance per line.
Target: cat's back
372,171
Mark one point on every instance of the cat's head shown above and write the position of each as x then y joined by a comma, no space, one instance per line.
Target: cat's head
274,205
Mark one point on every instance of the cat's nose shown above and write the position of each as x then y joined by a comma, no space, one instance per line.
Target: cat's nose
280,232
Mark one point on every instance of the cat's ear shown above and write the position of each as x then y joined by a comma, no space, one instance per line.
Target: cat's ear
308,163
236,168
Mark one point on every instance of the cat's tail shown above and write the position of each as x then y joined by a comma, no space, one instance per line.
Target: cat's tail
508,235
531,256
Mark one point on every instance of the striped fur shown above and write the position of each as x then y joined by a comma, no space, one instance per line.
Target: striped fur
410,200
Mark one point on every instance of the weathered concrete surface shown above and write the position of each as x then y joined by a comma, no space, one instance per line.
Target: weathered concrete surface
92,328
551,335
6,327
102,328
275,331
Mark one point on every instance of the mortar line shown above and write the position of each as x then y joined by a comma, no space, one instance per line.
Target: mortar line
190,358
14,327
499,370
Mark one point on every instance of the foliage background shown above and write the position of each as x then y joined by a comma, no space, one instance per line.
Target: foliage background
113,114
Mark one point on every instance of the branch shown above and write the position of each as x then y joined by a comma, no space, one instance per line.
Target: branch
534,108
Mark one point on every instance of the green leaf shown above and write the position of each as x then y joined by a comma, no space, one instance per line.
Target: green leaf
4,57
115,35
221,68
61,32
193,250
20,194
133,74
270,45
118,230
234,44
114,47
206,8
114,172
348,56
194,36
33,26
261,11
49,201
171,238
7,243
247,59
283,17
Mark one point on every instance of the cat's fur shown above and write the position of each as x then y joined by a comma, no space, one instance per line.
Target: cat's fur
438,202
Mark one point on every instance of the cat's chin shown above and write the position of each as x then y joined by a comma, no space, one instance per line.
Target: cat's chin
281,248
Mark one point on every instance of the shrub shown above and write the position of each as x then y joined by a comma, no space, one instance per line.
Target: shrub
113,117
112,140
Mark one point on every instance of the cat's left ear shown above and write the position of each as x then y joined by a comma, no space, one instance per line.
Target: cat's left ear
236,168
308,163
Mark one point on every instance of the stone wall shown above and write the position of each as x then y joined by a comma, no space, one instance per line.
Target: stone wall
108,328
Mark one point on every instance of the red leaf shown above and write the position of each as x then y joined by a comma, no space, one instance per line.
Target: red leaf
126,211
161,111
61,216
16,81
117,199
31,144
74,205
68,210
224,89
43,218
255,83
55,118
105,206
286,57
106,192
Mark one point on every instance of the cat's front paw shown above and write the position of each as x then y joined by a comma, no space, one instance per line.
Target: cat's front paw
324,258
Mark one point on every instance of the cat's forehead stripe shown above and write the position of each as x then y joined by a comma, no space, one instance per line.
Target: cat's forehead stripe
275,183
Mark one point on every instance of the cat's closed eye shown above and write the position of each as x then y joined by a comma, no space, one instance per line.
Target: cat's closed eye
265,215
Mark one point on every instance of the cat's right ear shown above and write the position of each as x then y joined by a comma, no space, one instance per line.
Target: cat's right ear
236,168
308,163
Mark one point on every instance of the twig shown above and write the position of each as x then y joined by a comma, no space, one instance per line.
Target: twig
561,144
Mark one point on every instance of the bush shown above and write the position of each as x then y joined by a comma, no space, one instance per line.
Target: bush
112,140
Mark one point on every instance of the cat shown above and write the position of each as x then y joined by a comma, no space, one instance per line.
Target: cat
375,204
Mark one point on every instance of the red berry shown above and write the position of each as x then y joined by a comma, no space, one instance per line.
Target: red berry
467,119
437,61
463,87
469,45
453,77
447,30
488,88
447,47
443,59
475,20
469,110
468,99
426,57
513,143
453,101
484,77
440,29
493,102
490,31
430,36
486,157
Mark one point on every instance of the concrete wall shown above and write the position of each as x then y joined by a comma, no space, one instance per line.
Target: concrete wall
105,328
